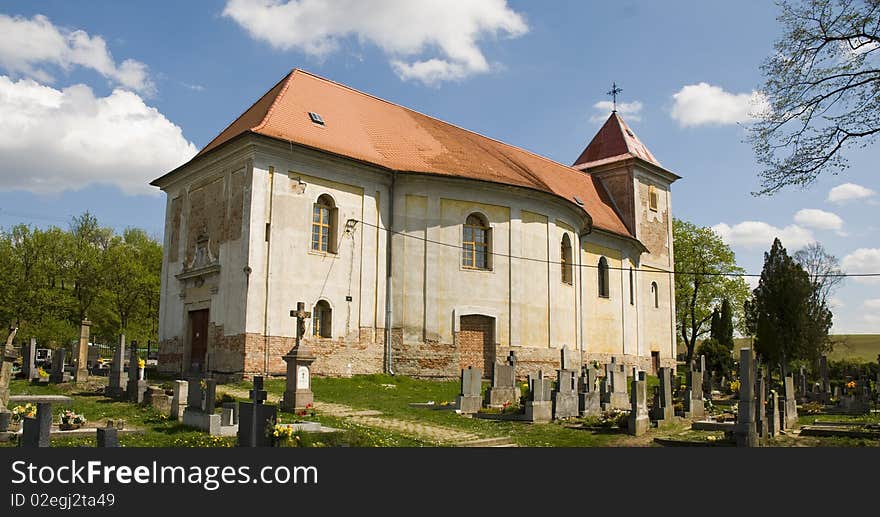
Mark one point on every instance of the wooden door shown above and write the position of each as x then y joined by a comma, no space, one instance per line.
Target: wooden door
476,342
198,324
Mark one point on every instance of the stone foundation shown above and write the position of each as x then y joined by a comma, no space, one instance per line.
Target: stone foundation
244,355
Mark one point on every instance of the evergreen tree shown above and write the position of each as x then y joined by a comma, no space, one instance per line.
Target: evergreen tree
725,325
787,325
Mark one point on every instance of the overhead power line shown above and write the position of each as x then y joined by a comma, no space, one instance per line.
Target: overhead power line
545,261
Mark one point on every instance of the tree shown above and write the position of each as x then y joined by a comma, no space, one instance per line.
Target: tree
721,328
86,270
787,325
133,268
823,268
704,265
822,86
718,357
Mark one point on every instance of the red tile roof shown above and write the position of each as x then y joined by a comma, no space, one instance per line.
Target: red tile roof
369,129
615,141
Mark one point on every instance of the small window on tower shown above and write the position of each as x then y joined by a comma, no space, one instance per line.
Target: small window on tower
652,198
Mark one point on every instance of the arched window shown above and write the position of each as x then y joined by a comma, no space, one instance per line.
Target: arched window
324,216
603,277
567,266
475,243
656,294
322,319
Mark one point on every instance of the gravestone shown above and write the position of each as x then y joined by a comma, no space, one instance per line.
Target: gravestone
503,389
117,384
539,406
772,415
823,375
639,422
107,437
7,356
58,374
745,431
199,412
28,360
615,380
564,397
790,406
255,419
760,401
469,401
693,398
156,398
801,382
135,386
590,395
569,359
35,430
230,414
178,399
664,407
81,367
298,392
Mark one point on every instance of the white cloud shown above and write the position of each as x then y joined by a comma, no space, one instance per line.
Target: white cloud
760,235
28,45
752,281
55,140
872,304
629,110
863,260
849,192
704,104
819,219
406,30
836,303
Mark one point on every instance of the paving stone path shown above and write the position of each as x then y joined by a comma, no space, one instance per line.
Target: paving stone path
372,418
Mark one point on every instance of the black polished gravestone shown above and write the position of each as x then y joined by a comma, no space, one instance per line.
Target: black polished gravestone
256,420
35,431
108,437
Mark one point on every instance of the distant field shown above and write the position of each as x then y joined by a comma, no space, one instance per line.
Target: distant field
864,347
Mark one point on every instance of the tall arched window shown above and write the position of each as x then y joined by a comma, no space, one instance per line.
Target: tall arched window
565,255
324,216
322,319
475,243
656,293
603,277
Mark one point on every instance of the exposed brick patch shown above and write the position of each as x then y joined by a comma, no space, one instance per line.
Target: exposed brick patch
476,343
170,356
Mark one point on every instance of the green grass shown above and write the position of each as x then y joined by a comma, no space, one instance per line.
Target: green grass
374,392
863,347
159,431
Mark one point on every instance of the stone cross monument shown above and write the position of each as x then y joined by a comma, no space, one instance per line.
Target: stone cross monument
298,393
9,355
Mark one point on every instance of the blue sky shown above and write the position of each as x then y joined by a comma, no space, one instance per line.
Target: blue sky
99,97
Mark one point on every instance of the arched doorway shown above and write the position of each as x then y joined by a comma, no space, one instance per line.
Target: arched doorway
476,342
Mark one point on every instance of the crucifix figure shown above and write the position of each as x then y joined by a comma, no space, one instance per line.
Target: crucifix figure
613,93
300,314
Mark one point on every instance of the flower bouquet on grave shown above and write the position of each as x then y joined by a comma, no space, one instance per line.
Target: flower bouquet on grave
19,412
308,411
71,420
42,376
141,365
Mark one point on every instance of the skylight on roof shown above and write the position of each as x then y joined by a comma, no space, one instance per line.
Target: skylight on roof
317,119
578,201
630,133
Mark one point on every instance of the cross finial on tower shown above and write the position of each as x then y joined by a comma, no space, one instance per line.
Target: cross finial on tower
613,93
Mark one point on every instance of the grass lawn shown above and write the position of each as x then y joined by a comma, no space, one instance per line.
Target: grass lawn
864,347
392,396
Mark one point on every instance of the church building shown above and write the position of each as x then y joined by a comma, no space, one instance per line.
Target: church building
418,247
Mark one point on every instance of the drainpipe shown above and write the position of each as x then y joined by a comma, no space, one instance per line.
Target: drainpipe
389,286
268,239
